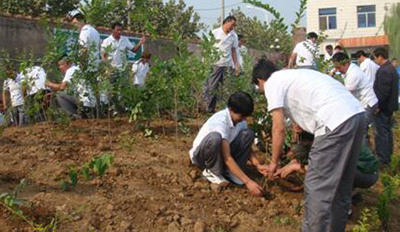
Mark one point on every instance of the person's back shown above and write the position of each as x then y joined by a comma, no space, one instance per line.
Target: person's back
35,78
78,85
369,68
364,91
89,38
313,99
386,88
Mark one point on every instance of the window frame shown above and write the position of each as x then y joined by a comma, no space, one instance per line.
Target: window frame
367,13
327,14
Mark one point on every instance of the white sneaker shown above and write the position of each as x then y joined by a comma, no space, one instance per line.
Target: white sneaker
233,178
216,179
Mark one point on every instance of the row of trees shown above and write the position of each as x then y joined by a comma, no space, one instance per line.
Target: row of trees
161,19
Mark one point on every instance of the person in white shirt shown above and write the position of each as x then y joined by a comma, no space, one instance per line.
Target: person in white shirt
357,82
322,106
115,47
368,66
89,39
304,53
328,52
223,145
140,69
76,107
12,86
33,86
226,41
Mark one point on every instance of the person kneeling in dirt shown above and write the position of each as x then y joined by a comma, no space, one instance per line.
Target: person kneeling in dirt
367,172
76,107
223,145
321,106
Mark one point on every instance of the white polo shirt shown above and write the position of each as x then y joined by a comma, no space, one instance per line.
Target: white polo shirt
82,89
89,38
306,51
140,71
222,123
357,82
34,78
117,50
225,43
14,88
311,99
370,68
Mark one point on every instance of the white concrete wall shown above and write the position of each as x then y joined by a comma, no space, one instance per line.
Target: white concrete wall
346,14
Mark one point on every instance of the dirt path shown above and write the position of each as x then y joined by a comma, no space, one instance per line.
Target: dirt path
150,187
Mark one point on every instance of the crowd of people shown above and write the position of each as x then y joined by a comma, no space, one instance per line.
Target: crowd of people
334,116
26,94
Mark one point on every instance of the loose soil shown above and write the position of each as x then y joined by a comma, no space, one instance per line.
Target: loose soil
151,187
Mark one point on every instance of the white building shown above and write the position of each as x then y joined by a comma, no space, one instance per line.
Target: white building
353,24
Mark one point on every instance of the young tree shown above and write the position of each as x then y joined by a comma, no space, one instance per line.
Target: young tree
392,25
153,16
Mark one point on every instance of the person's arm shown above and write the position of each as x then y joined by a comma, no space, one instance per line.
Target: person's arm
56,87
292,60
5,100
235,170
235,60
141,42
278,138
293,166
351,82
104,56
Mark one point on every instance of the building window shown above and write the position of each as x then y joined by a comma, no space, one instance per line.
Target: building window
366,16
327,18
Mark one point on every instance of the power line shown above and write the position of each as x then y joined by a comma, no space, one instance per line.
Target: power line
217,8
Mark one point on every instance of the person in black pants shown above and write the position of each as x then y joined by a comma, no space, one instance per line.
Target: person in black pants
386,89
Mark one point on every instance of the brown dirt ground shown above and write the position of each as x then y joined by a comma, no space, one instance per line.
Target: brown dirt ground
150,187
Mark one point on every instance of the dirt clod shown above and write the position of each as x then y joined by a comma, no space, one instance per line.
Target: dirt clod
199,226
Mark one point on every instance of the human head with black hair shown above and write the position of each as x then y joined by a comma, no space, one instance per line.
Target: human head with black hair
395,62
10,69
78,19
361,56
64,63
145,57
312,36
241,40
229,23
240,105
117,30
329,49
341,61
381,55
337,49
261,72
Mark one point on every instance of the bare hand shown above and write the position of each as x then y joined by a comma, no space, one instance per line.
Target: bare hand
263,169
288,169
237,70
254,188
143,39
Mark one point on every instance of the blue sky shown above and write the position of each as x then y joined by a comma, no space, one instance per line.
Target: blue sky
210,10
